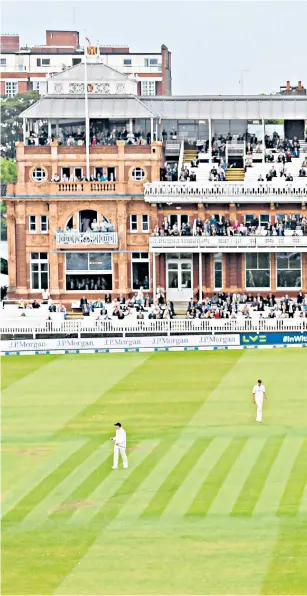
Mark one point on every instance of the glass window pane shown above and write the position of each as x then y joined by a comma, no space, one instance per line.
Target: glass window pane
34,256
136,255
173,279
44,281
144,255
101,261
186,279
140,275
88,282
295,261
251,261
263,261
289,279
34,266
35,284
77,261
44,266
258,279
217,278
43,256
186,266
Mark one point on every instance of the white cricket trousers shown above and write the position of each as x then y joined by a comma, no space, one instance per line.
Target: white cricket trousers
259,403
120,450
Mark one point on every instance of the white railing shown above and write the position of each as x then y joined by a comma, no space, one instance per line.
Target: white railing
195,191
75,237
229,242
93,327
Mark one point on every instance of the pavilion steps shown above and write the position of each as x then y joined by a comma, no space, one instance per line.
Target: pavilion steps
235,175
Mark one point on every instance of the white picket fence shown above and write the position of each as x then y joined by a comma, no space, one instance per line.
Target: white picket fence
92,327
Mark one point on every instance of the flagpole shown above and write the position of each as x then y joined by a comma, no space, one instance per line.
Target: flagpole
87,121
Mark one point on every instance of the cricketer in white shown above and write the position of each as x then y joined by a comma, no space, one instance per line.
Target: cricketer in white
258,395
120,443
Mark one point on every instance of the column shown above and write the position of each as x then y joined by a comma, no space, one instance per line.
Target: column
56,128
151,130
11,248
154,276
263,144
49,128
130,126
210,140
304,271
53,256
24,130
273,272
21,263
200,277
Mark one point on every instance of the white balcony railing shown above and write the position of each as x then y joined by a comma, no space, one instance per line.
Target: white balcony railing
189,192
75,237
229,243
89,327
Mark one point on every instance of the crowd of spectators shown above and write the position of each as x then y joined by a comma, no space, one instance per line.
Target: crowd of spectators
98,136
236,305
218,225
103,177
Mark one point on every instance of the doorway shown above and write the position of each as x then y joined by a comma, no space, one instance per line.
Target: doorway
179,280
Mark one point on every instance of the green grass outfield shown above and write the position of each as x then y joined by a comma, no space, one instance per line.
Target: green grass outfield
212,502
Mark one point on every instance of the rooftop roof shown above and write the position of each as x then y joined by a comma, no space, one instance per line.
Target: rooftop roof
96,71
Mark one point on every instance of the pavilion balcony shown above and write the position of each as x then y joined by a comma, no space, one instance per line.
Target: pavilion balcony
227,192
75,239
58,190
228,244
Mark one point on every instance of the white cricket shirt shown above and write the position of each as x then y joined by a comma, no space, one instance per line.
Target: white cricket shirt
258,390
120,437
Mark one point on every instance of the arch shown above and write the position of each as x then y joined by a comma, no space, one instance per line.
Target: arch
85,219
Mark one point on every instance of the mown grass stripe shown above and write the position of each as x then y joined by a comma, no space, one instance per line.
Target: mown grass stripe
175,479
249,495
215,479
36,476
152,483
185,494
55,498
110,485
227,495
114,505
290,501
303,504
277,479
39,492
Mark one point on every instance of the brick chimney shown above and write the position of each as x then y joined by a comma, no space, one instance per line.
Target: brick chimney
299,86
288,86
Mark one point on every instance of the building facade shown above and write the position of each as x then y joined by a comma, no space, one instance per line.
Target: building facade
25,68
83,216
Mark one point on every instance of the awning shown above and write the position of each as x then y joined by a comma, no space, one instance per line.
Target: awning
67,106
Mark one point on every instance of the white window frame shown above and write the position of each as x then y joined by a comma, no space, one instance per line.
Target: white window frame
132,223
148,88
37,179
44,224
179,219
265,224
145,223
140,259
38,62
32,224
284,288
153,62
11,88
218,260
127,62
252,288
140,176
36,86
40,262
2,61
